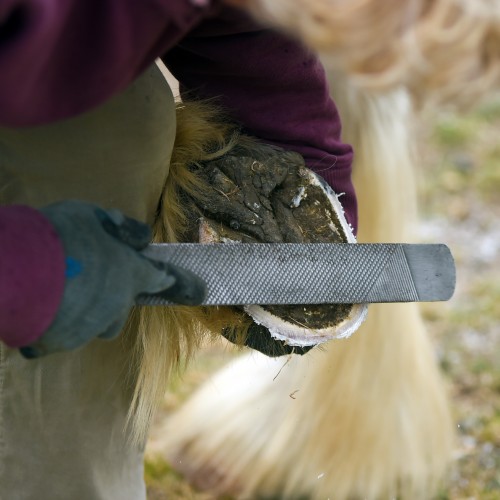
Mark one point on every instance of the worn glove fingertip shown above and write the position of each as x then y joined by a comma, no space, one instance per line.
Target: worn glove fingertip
132,232
188,289
29,352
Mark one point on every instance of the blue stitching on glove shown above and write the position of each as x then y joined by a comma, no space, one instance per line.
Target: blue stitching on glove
73,267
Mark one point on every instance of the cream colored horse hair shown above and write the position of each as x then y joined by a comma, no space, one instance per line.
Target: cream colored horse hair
362,36
365,418
449,49
162,339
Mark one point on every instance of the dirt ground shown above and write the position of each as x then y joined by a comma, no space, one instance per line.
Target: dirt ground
459,167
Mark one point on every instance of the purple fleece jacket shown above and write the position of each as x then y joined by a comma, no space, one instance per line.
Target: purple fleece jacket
60,58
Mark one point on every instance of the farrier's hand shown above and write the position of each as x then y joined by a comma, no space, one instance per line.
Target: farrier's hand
105,273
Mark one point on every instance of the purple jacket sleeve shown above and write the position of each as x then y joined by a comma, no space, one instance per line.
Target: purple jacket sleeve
32,278
60,58
274,87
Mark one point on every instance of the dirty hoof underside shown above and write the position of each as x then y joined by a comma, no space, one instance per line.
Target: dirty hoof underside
260,194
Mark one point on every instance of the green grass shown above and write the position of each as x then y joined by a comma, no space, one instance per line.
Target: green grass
452,132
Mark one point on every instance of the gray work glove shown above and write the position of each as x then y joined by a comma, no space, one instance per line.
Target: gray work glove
104,275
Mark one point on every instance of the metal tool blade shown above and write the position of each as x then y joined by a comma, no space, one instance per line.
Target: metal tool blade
312,273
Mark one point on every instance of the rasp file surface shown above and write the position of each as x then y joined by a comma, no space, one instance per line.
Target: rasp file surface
313,273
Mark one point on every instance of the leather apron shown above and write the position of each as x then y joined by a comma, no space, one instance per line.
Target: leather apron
63,417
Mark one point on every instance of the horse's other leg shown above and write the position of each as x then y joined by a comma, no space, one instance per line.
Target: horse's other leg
365,417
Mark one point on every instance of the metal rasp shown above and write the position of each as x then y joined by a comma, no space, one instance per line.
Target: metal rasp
312,273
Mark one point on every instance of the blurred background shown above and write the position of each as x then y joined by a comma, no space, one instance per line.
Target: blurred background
460,205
